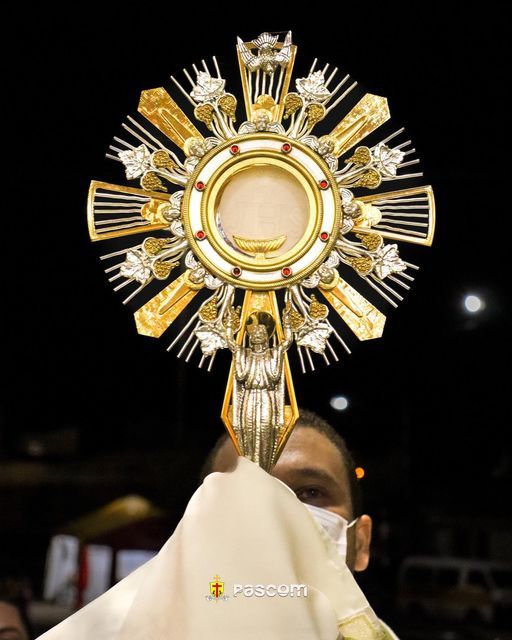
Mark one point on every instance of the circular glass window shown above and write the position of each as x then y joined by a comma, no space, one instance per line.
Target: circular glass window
262,211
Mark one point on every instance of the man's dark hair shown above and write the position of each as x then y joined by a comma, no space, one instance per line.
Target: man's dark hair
313,421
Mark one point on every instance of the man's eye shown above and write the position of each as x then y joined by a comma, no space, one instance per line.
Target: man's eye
309,493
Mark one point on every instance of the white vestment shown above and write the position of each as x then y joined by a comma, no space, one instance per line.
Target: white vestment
240,528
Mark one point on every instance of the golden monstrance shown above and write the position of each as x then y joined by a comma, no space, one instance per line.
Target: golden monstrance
255,221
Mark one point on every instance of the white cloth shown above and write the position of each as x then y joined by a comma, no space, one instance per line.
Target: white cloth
247,528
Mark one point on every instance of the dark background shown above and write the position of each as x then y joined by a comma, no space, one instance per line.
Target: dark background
92,411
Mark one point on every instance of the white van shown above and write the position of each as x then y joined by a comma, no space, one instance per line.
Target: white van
455,588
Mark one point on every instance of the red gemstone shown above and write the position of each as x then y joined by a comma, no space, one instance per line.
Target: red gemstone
287,147
200,185
234,148
286,272
200,235
323,184
236,271
324,236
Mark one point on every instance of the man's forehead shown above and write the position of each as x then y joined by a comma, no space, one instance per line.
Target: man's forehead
306,448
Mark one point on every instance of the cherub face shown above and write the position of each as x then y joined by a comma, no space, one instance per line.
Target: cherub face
197,149
326,145
261,119
194,147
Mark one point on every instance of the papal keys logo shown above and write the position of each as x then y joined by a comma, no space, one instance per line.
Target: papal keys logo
216,590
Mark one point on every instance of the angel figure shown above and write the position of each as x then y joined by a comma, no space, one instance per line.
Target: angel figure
258,385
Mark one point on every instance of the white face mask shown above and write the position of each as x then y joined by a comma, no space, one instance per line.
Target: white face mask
334,525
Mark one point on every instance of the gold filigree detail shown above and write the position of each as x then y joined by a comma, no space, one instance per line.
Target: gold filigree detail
355,211
153,246
194,280
235,315
204,113
315,112
363,265
152,182
160,109
370,179
296,319
227,104
362,156
367,214
258,113
370,241
292,103
328,142
317,310
265,102
161,269
209,312
259,247
162,160
155,211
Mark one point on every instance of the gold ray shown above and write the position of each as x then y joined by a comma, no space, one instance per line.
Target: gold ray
362,318
368,114
262,301
397,196
151,212
265,101
161,311
160,109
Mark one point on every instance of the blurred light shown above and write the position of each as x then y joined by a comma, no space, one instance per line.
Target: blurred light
360,473
473,304
135,505
35,448
339,403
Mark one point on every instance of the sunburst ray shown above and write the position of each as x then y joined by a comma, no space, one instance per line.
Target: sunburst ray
266,67
114,211
408,215
367,115
157,315
166,115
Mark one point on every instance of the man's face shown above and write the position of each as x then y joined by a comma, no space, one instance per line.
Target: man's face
312,467
11,626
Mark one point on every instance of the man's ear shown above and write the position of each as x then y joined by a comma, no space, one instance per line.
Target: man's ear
363,535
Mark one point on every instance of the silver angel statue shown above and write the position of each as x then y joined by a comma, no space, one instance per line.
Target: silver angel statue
258,380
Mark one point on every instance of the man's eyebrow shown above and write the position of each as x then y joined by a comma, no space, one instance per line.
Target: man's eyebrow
312,472
6,629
